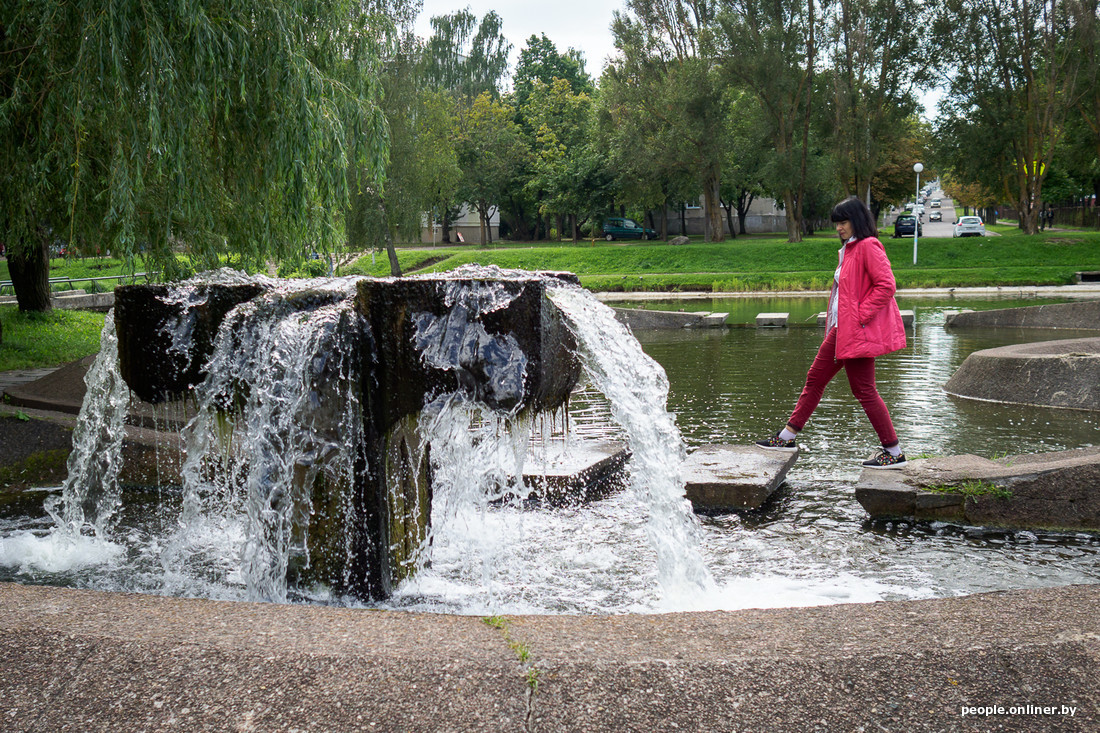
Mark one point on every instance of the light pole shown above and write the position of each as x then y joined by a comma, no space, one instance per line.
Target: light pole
916,202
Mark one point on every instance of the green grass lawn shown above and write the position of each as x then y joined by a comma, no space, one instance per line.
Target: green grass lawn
33,340
771,263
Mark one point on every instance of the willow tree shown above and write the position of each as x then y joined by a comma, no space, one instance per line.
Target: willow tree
160,127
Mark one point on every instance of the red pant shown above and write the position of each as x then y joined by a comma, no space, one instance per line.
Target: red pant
861,378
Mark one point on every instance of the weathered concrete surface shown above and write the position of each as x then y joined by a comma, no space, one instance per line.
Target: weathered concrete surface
1082,315
1063,373
62,390
641,319
772,320
727,477
565,473
1054,491
84,660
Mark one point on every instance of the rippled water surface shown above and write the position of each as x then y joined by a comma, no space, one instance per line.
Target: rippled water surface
812,544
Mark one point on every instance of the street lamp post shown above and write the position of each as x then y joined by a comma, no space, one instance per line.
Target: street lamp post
918,168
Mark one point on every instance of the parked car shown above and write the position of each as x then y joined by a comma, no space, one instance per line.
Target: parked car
616,227
905,224
969,226
935,216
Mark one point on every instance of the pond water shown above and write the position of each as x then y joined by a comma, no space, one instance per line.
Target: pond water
812,544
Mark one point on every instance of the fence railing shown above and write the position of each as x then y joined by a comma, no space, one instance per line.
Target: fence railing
1076,217
57,282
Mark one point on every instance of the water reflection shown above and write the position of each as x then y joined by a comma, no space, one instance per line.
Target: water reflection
738,385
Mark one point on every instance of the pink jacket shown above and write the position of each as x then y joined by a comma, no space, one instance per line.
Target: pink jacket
868,319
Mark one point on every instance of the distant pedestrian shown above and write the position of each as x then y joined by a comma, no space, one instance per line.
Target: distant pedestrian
1042,220
1050,218
863,322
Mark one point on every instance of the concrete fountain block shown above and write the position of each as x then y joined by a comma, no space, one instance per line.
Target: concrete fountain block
772,320
730,477
1064,373
566,473
1050,491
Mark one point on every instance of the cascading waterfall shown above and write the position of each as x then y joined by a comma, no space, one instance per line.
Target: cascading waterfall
288,358
90,495
637,389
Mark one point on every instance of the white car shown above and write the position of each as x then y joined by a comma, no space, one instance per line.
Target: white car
969,226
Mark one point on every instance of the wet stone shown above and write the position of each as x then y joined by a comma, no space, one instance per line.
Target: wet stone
731,477
567,472
1050,491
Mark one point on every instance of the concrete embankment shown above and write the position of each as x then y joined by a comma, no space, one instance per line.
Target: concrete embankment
1062,373
1084,315
84,660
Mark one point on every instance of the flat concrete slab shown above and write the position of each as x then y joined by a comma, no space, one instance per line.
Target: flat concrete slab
908,318
1082,315
86,660
1063,373
772,320
1049,491
643,319
566,472
731,477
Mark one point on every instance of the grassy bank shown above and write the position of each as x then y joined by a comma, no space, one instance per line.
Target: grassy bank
772,263
33,340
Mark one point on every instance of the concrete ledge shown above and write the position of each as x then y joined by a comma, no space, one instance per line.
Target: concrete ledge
772,320
84,660
1082,315
1050,491
639,319
908,318
1063,373
730,477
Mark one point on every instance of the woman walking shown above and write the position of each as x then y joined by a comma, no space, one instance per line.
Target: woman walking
863,323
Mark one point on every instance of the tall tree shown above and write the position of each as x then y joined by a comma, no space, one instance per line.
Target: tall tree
878,58
665,51
159,126
570,171
540,61
1015,72
770,48
465,56
490,150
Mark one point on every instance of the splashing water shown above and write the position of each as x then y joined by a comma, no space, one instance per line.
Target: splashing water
638,391
90,494
290,358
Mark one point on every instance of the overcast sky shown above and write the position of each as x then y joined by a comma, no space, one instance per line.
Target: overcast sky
581,24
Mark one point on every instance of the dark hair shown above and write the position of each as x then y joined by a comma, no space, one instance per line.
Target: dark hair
854,210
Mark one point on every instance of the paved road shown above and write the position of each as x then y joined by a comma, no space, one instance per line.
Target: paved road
932,229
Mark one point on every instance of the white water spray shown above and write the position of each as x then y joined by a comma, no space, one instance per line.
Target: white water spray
638,391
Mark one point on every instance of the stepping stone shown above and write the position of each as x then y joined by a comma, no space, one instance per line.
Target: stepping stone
772,320
822,318
907,318
732,477
713,320
1050,491
565,473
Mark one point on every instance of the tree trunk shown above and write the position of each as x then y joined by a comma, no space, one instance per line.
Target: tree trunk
576,228
446,237
794,221
712,208
664,222
729,218
29,265
683,220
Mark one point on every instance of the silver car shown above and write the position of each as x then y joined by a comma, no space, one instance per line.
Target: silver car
969,226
